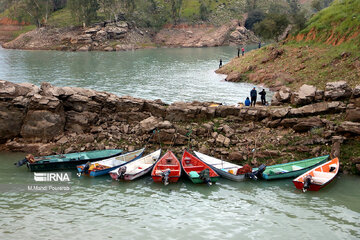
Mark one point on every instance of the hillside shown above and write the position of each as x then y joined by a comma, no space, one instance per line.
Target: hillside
326,50
337,24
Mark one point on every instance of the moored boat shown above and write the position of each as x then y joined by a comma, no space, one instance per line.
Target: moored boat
197,170
292,169
225,169
66,161
103,167
167,169
136,168
318,177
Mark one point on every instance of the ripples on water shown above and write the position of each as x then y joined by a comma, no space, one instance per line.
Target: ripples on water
167,74
102,208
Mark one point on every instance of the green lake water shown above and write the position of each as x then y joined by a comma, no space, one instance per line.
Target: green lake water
100,208
174,74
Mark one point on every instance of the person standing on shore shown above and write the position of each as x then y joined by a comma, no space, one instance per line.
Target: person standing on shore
259,44
263,94
220,65
242,51
253,95
238,51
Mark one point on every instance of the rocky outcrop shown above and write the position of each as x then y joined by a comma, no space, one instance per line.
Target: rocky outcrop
305,95
337,90
96,38
204,35
49,120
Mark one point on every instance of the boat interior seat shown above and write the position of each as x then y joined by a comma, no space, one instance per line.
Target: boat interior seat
319,180
167,165
323,174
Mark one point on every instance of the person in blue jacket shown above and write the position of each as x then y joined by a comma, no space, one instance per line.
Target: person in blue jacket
247,102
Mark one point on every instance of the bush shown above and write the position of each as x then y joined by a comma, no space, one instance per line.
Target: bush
254,16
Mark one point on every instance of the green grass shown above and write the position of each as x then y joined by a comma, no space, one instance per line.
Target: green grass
350,150
23,29
341,19
62,18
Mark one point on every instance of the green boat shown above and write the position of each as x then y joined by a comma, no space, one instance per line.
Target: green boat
66,161
292,169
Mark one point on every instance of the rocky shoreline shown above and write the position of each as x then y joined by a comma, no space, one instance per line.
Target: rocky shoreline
47,120
123,36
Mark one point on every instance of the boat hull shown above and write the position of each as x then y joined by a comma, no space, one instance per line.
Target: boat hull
136,168
294,173
96,173
167,162
232,177
317,182
65,165
190,163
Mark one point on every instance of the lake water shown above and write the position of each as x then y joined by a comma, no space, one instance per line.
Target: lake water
174,74
100,208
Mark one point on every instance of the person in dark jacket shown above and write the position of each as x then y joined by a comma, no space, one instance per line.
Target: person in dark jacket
247,102
253,95
263,94
220,65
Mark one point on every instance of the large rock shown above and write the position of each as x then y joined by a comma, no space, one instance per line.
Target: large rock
222,140
337,90
10,123
80,122
9,90
356,92
149,124
283,95
318,108
115,32
305,95
304,125
43,124
349,127
235,156
352,114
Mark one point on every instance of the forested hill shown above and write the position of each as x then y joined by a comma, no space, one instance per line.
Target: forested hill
152,13
335,25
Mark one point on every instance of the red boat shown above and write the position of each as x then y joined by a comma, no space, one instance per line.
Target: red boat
167,169
318,177
197,170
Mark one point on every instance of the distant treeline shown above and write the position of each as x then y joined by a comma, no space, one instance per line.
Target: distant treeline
267,18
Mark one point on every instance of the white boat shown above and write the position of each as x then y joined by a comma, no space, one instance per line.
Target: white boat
102,167
223,168
136,168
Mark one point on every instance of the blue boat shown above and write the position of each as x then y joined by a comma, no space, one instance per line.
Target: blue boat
103,167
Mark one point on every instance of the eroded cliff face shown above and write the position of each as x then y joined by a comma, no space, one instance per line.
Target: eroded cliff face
120,36
47,120
184,35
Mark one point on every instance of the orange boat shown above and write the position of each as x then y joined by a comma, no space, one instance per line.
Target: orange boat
167,169
197,170
318,177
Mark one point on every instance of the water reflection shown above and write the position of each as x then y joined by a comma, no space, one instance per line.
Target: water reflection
167,74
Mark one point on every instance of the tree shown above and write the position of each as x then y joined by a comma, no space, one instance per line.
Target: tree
317,5
84,10
272,26
175,10
254,17
251,5
204,11
38,10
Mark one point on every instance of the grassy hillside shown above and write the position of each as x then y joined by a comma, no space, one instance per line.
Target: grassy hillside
335,25
326,50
